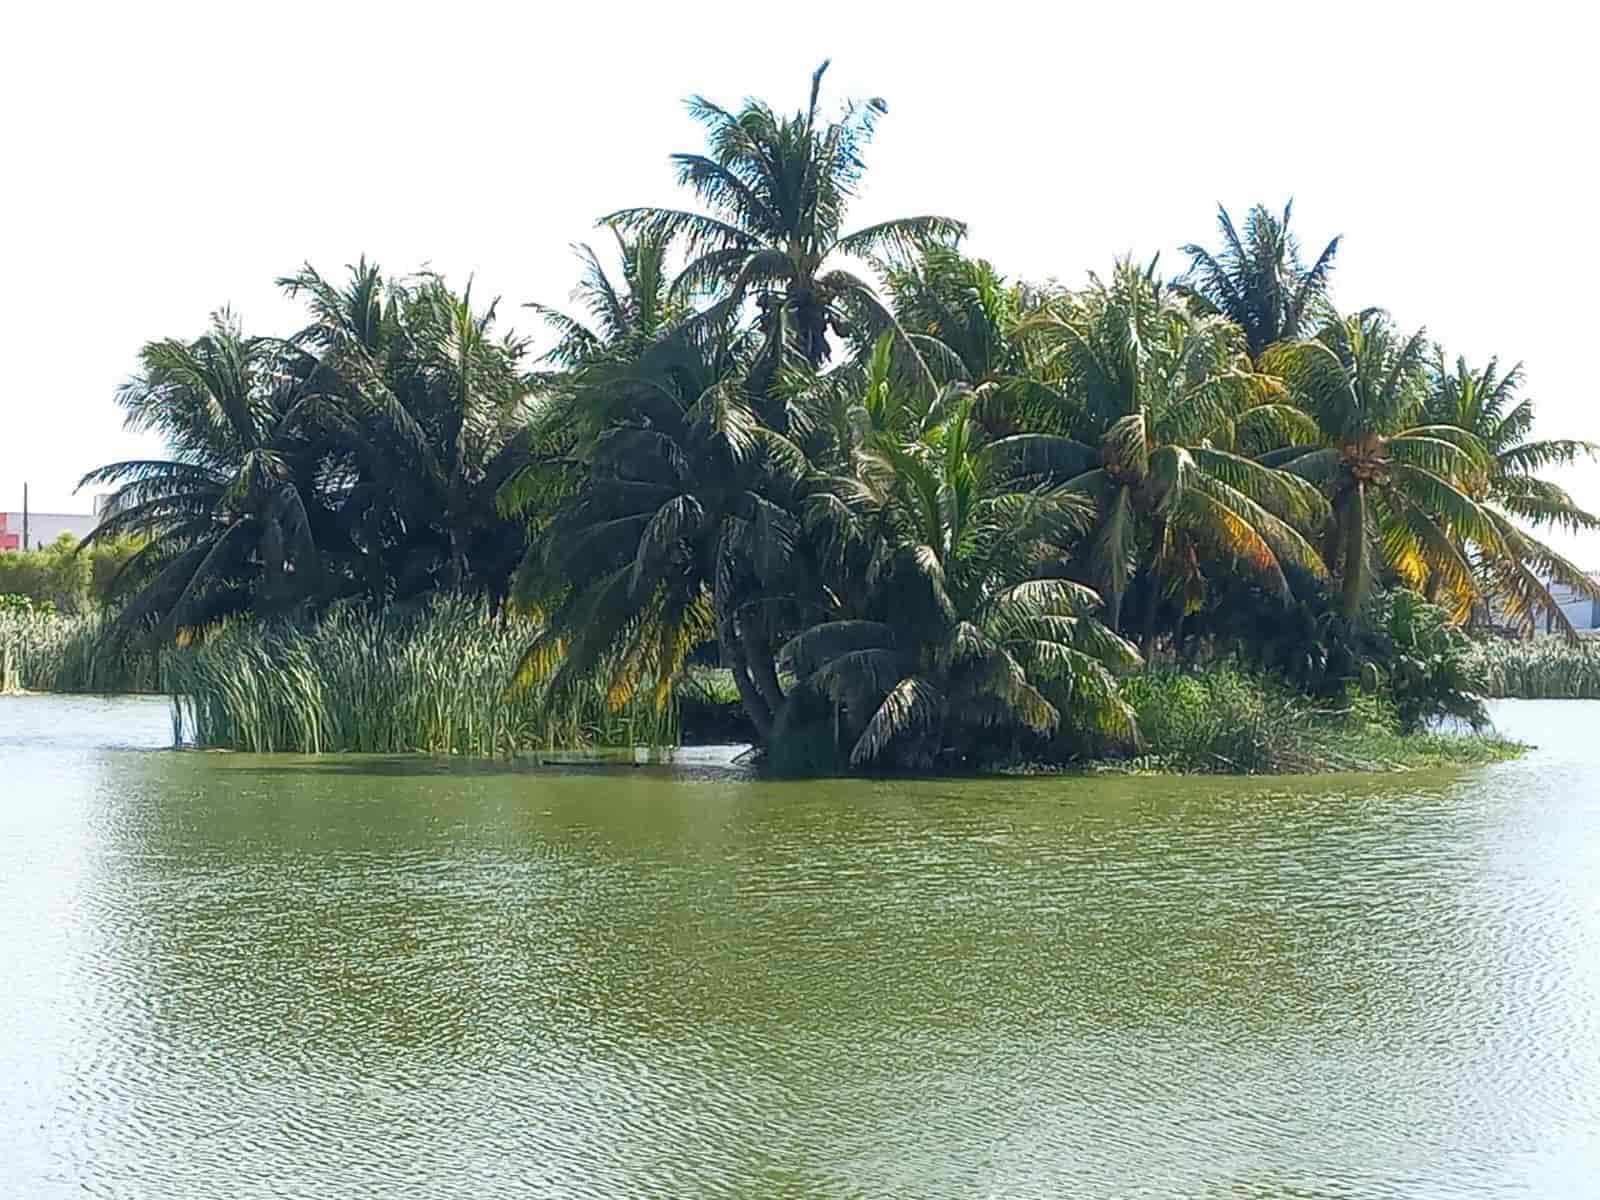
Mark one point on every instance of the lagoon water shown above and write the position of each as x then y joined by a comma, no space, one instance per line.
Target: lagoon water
225,976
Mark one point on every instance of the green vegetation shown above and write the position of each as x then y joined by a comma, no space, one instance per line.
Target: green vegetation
61,578
1540,669
430,680
54,615
920,514
42,650
709,711
1233,721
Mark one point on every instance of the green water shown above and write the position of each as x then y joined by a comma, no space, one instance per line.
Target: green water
238,977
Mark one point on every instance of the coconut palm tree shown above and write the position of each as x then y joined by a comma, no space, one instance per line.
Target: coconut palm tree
963,636
1258,281
777,189
623,316
621,319
435,419
1398,485
1157,416
962,306
1486,404
678,533
474,406
355,330
966,322
229,518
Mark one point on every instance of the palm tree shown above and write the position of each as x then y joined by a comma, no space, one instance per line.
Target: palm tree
777,189
355,330
967,326
963,635
679,532
436,419
1157,417
1258,281
1485,403
475,408
623,316
961,312
228,518
1398,489
622,319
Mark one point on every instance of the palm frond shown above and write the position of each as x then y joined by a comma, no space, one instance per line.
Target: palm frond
913,707
904,235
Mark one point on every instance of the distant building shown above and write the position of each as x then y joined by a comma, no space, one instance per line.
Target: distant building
1583,612
43,528
46,527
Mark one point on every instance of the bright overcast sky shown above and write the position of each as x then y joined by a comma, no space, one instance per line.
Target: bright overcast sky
163,160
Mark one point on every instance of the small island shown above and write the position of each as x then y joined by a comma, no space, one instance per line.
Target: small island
846,493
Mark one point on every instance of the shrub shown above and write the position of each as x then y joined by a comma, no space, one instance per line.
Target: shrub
1400,647
1428,666
1224,719
52,574
64,576
18,602
1227,720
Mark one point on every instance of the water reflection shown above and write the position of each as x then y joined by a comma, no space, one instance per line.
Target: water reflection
271,977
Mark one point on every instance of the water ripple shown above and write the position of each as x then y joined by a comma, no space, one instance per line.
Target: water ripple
238,977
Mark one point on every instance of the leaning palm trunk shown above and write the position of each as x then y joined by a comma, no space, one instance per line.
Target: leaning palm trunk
733,658
757,642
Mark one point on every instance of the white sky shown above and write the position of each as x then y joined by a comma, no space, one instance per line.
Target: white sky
160,160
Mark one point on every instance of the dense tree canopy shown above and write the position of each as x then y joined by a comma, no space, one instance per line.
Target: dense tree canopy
912,506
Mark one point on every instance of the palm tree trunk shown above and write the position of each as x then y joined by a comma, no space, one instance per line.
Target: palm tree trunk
810,318
458,555
755,706
274,558
1353,554
456,508
757,643
1114,608
1147,637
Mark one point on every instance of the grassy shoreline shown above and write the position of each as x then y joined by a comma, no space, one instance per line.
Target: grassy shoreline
1350,754
1229,721
434,683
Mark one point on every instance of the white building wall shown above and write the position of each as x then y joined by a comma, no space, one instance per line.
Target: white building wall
1582,614
1580,610
44,528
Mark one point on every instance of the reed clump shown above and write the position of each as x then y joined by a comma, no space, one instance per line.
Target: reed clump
46,651
1546,668
432,680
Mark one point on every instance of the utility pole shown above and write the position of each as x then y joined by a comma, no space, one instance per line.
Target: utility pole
25,516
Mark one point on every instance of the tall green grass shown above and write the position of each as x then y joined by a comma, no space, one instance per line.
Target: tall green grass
387,682
56,652
1545,668
1230,721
